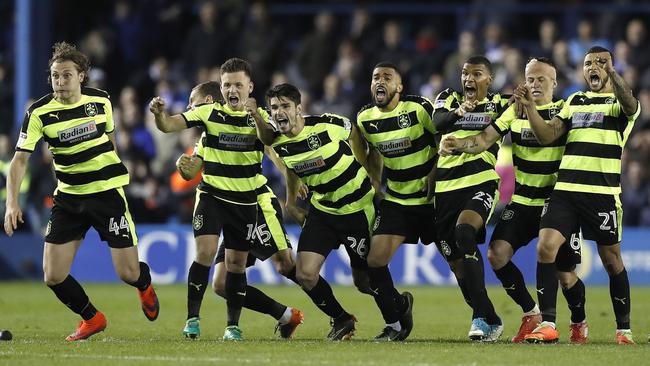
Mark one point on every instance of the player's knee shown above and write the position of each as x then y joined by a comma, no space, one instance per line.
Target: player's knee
307,279
567,279
284,266
376,260
128,274
50,278
219,288
205,257
546,251
498,255
612,261
466,237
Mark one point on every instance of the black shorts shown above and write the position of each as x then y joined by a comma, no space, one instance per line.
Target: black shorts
108,212
598,215
416,223
270,234
325,232
519,225
213,215
449,205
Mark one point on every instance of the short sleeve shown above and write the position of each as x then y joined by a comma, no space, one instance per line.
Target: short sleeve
198,115
503,123
30,133
108,110
199,147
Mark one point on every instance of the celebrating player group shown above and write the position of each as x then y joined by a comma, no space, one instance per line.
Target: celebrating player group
438,159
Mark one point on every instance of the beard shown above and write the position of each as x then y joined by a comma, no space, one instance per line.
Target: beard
387,99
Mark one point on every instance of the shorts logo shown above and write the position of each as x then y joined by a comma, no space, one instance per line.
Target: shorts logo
314,142
610,100
444,247
507,215
403,121
544,209
48,230
376,224
78,133
197,223
90,109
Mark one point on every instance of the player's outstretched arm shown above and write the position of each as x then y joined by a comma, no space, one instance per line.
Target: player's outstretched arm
189,166
165,122
265,131
545,132
471,145
17,169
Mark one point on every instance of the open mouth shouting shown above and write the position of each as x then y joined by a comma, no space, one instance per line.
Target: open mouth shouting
469,89
594,80
381,96
233,101
282,122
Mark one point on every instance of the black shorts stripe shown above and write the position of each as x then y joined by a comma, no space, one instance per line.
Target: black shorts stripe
105,173
533,192
405,196
343,149
405,175
64,115
232,171
212,142
593,150
589,178
468,168
55,142
535,167
245,197
82,156
350,198
388,124
299,147
340,181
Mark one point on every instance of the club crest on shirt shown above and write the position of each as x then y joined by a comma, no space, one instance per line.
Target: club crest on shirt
552,112
250,121
314,142
403,121
90,109
490,107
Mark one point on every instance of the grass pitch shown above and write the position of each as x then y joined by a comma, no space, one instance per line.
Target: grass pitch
40,323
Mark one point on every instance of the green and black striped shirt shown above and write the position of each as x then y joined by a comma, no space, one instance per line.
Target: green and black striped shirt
536,166
322,158
597,131
85,160
468,170
404,138
232,153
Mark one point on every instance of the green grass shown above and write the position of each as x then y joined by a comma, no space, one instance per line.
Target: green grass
40,323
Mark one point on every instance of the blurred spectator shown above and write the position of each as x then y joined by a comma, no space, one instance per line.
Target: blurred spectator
317,54
332,101
548,35
634,194
579,45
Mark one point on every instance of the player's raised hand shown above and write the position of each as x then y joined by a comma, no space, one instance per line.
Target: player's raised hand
157,105
251,106
467,106
448,146
605,63
523,96
13,216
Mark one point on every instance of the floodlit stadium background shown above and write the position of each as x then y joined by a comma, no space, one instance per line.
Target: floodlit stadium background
140,49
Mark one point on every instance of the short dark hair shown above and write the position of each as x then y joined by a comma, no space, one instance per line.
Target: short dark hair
544,60
209,88
284,90
599,49
64,51
235,65
479,60
389,65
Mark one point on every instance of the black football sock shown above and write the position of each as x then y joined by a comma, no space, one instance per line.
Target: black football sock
144,280
575,298
72,295
235,294
197,281
381,282
513,282
324,299
619,292
547,285
257,300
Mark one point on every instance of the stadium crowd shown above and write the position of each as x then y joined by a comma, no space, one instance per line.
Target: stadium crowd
137,53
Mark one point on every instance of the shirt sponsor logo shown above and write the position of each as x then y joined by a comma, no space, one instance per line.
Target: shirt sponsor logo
82,132
474,121
309,165
527,134
237,141
394,146
587,119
